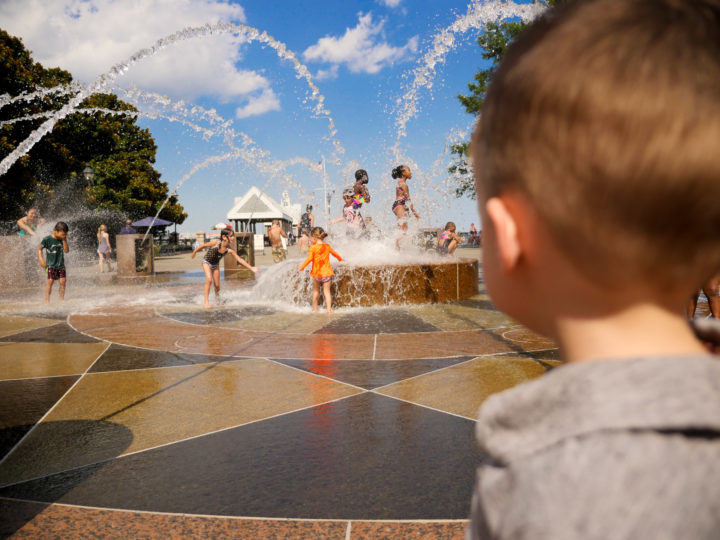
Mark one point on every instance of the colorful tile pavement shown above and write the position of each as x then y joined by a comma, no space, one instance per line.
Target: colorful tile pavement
146,416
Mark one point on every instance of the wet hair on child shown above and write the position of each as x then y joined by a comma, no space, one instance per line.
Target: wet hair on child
449,226
397,172
318,232
361,175
61,226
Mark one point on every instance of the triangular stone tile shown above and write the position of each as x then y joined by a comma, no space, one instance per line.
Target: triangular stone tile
461,389
161,406
370,374
57,333
381,321
23,403
363,457
121,358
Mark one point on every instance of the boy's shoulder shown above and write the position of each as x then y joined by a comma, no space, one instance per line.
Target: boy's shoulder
575,401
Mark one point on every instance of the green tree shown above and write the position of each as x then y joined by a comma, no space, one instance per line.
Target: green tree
493,42
120,153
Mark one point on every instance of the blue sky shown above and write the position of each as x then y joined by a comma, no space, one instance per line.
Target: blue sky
363,56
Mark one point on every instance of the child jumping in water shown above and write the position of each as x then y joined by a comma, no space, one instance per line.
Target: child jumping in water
322,272
354,223
211,262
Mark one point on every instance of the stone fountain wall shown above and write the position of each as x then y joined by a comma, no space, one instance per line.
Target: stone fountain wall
405,284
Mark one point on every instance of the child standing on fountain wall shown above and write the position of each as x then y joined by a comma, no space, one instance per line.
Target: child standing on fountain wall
322,273
55,246
598,185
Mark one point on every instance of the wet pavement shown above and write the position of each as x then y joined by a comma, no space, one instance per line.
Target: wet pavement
160,418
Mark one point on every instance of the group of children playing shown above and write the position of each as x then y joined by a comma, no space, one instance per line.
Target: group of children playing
598,188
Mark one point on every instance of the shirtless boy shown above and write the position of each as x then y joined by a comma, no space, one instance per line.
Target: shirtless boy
276,234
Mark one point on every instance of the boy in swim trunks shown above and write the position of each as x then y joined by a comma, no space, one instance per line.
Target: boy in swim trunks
55,246
276,234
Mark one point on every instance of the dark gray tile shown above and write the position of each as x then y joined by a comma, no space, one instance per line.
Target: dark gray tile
364,457
218,316
370,374
477,304
380,321
57,333
63,445
24,402
121,358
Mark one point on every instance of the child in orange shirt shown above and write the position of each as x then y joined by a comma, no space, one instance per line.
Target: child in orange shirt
322,272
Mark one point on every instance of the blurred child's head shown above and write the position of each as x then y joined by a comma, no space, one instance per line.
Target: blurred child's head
276,222
60,230
317,234
450,226
347,195
361,176
605,117
225,235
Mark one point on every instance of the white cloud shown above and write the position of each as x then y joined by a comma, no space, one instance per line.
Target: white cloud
88,37
266,101
360,49
390,3
327,74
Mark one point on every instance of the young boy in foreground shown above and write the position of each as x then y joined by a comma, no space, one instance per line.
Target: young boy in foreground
55,246
598,183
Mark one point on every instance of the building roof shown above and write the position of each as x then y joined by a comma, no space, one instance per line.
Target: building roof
257,205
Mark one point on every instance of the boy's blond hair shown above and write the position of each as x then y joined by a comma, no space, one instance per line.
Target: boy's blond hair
609,123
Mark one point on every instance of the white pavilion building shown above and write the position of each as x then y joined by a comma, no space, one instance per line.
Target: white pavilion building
258,208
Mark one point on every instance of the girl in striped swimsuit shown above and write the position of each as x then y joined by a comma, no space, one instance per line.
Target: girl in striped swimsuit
211,262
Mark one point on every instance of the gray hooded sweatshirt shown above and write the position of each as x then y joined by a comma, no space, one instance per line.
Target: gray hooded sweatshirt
603,450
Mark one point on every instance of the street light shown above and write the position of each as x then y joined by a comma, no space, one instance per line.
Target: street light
89,174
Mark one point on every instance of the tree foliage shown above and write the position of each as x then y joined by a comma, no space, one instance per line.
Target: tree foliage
493,42
120,153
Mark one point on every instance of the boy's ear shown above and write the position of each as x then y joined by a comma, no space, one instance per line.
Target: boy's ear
506,232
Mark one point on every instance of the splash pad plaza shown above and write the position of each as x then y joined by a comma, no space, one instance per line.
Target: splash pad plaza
129,410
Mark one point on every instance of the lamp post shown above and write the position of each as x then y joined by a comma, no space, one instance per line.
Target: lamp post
89,175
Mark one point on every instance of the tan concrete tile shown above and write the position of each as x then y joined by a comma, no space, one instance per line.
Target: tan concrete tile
29,360
290,323
524,339
462,388
452,317
438,345
11,324
313,346
160,406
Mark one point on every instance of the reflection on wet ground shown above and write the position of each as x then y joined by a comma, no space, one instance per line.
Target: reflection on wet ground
144,412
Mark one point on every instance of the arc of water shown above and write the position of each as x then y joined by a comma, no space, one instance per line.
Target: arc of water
135,114
60,89
209,29
478,14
